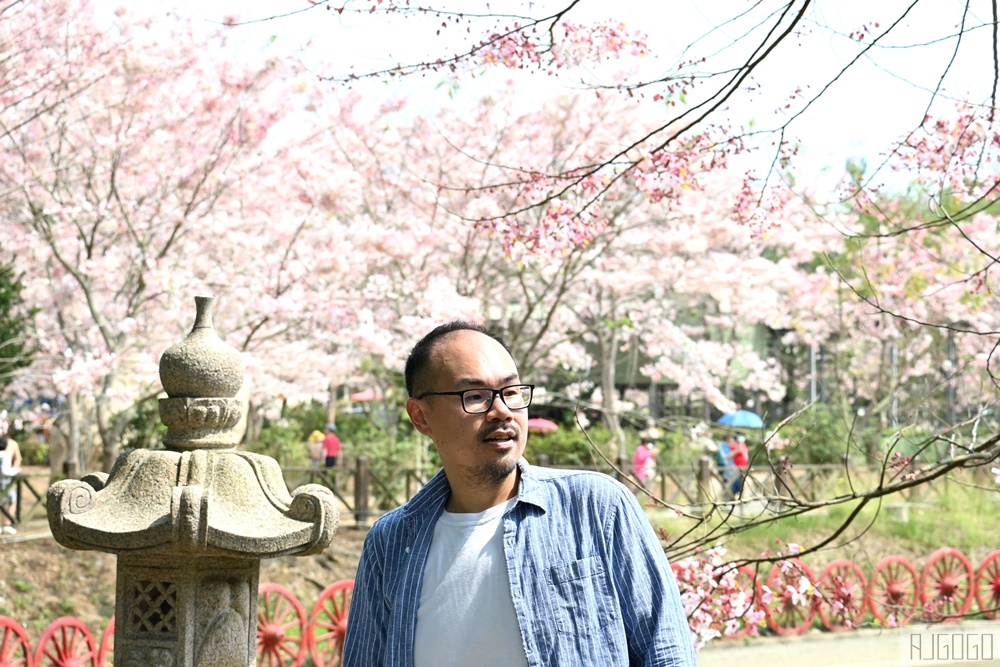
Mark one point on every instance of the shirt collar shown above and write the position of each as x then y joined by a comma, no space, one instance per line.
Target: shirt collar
531,490
434,494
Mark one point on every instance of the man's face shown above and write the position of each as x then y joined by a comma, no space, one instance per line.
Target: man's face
479,450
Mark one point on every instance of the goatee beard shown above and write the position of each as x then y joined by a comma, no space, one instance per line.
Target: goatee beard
493,474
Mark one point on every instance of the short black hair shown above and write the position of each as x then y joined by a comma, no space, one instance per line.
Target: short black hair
420,356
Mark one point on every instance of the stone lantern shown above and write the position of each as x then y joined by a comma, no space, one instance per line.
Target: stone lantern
190,522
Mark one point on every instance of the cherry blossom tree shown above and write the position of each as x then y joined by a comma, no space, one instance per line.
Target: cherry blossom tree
710,62
131,193
646,233
573,308
16,349
686,104
336,228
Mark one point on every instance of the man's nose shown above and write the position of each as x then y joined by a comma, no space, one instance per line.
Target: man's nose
499,409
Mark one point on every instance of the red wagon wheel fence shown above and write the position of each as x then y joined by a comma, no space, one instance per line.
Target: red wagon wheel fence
15,649
843,595
791,608
841,598
66,643
988,585
281,627
947,585
284,635
895,594
328,624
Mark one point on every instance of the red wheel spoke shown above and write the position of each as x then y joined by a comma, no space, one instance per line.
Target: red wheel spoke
329,614
844,599
66,641
785,615
893,591
107,643
946,585
284,648
327,636
281,627
988,585
280,608
15,649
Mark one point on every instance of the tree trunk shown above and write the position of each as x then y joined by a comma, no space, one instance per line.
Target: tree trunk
609,393
110,431
73,439
331,404
255,421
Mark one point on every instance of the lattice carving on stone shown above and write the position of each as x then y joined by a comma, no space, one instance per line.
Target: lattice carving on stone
153,608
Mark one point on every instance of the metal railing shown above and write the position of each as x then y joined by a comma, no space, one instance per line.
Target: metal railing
358,484
28,499
367,492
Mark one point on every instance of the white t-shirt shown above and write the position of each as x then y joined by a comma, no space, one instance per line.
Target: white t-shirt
7,468
466,615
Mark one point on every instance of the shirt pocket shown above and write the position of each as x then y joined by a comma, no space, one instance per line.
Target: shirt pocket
581,598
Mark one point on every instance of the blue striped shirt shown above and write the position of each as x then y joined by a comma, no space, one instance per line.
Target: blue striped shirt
590,581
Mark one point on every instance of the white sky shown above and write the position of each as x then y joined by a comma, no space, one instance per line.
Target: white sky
883,97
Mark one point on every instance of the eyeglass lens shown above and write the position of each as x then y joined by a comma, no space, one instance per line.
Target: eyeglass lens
480,400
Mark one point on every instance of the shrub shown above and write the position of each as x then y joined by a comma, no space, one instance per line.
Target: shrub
144,430
823,434
282,440
308,417
356,431
34,452
570,447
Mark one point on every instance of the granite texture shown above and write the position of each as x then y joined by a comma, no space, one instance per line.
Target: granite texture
190,522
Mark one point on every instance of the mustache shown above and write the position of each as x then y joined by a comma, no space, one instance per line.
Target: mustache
493,428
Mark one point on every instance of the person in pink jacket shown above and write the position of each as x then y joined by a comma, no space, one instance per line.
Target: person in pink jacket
644,462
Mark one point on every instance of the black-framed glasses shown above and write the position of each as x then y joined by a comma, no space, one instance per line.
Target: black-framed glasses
478,401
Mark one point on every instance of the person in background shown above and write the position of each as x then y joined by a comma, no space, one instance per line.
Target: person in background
10,467
727,470
498,563
644,462
741,459
317,452
331,445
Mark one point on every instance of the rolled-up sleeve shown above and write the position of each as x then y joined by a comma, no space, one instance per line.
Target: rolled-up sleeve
655,622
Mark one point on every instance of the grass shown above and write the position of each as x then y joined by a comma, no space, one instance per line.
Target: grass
959,515
952,514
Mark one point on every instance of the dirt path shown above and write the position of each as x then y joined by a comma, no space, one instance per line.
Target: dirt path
40,580
911,645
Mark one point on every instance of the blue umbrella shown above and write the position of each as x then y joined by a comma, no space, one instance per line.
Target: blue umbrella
742,419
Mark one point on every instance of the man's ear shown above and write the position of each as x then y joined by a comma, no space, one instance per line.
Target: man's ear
415,409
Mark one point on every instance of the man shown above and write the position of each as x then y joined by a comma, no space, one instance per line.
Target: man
10,467
741,459
496,563
331,446
724,459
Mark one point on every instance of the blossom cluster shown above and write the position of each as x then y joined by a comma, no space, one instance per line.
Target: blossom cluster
718,600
